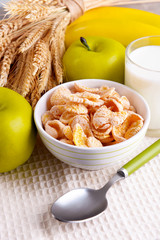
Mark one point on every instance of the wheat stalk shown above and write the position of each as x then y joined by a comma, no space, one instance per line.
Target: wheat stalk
4,42
40,55
12,25
35,95
58,48
8,59
27,76
34,36
45,73
16,77
51,81
33,11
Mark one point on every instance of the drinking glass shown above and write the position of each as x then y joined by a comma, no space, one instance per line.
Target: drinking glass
142,73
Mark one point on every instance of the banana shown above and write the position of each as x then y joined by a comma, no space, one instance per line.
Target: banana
129,14
118,29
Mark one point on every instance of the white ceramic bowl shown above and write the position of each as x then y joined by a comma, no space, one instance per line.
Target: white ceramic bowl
93,158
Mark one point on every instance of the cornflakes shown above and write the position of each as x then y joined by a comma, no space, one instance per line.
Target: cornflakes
46,117
77,108
49,128
79,137
88,95
74,98
83,122
90,117
66,117
93,142
106,139
133,120
57,97
113,105
68,132
106,93
102,133
133,129
94,103
65,140
81,88
56,126
125,102
57,111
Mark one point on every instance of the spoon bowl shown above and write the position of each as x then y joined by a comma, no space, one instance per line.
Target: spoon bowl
78,205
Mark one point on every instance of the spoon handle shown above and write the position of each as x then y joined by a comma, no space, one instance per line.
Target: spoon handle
141,159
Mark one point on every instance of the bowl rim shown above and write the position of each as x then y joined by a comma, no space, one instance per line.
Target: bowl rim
109,147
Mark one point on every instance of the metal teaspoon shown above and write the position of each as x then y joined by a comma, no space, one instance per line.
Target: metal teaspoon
84,204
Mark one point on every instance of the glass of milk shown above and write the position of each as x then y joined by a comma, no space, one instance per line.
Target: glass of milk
142,73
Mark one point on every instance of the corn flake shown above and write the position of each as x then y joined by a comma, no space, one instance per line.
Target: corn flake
88,95
102,132
74,98
79,137
114,105
134,122
51,130
101,117
68,132
55,127
94,103
65,140
106,139
133,129
106,93
46,117
76,108
93,142
82,120
66,117
57,111
81,88
57,97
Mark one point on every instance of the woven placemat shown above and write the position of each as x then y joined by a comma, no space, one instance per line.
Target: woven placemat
27,193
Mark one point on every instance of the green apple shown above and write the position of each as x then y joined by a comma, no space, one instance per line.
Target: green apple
17,130
94,57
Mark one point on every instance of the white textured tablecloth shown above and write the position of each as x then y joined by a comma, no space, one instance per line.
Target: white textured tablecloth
27,193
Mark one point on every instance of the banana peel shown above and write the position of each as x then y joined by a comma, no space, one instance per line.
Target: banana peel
119,29
120,13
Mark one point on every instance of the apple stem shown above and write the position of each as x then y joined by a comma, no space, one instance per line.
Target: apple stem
84,42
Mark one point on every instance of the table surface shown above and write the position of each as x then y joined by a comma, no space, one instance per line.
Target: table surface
28,192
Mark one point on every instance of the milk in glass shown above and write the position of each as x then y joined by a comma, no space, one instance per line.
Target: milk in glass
142,73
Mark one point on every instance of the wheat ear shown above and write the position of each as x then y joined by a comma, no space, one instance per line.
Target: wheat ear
35,95
42,2
19,70
32,11
12,26
34,36
41,79
58,48
4,43
45,73
8,58
40,55
27,77
51,82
